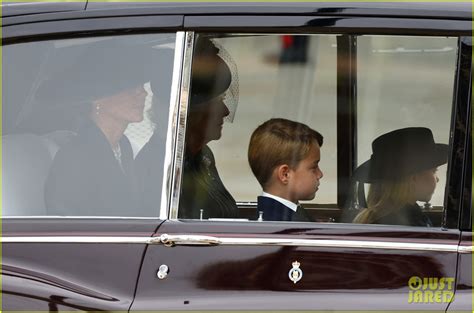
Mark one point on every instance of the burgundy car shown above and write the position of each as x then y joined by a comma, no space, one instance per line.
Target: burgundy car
126,184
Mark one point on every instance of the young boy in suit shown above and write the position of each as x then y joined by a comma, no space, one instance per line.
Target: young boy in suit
284,157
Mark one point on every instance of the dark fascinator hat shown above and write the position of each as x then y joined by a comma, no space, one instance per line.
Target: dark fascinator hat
210,74
102,69
401,153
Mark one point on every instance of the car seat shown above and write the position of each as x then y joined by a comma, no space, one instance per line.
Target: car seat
27,159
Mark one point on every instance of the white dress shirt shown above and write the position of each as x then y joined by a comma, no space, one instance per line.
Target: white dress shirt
287,203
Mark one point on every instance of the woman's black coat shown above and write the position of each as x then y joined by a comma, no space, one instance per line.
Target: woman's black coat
86,179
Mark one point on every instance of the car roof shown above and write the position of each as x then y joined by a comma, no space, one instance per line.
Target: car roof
453,10
27,8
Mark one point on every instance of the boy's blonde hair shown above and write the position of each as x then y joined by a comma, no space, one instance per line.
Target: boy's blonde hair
279,141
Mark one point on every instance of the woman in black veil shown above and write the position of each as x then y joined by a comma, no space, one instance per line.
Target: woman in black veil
203,194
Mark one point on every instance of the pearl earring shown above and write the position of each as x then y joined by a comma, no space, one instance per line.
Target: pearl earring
97,109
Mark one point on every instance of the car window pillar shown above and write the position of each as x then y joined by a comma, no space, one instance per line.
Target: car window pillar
180,125
459,129
346,115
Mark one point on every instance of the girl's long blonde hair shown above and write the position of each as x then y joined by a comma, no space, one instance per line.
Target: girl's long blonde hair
386,197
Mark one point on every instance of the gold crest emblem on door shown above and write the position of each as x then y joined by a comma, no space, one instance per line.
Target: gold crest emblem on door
295,274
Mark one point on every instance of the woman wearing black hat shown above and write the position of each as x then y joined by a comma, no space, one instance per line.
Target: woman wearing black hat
93,174
202,188
401,171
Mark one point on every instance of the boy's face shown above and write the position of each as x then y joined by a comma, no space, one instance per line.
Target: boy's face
303,181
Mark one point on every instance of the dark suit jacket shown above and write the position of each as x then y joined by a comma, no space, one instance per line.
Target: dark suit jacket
277,211
86,179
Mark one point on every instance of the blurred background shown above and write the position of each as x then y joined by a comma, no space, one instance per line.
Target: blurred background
402,82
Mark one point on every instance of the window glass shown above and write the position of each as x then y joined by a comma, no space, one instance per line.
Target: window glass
78,115
406,82
277,76
261,135
293,77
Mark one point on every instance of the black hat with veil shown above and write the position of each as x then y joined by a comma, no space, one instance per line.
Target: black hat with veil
213,74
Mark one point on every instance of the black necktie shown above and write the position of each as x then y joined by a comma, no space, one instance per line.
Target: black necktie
301,215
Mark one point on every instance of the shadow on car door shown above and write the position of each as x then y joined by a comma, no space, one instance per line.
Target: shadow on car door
242,266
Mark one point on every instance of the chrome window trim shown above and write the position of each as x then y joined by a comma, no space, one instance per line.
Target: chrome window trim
80,239
190,239
181,126
173,126
465,249
83,217
199,240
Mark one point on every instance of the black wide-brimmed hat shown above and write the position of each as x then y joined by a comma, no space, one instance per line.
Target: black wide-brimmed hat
97,70
401,153
210,74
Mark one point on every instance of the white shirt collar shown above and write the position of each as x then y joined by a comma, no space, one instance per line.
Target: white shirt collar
285,202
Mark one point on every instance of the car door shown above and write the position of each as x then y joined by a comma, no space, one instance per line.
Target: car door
74,246
355,72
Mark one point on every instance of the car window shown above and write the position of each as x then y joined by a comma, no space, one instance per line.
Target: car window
76,115
403,82
273,119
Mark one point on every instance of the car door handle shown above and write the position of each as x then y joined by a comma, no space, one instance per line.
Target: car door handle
172,240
